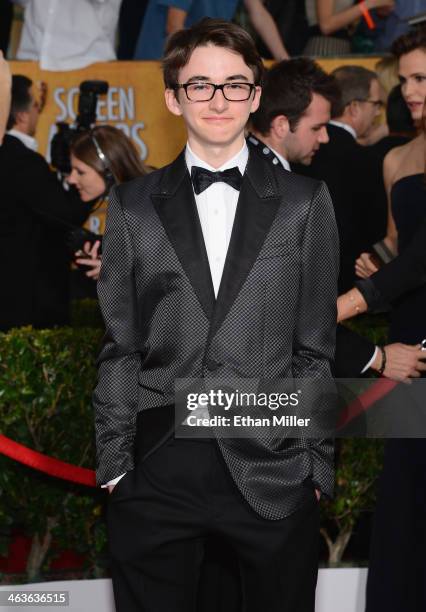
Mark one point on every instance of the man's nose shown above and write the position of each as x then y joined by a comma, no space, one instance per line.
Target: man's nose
323,137
218,102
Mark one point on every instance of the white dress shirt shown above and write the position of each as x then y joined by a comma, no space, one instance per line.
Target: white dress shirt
68,34
28,141
282,159
344,126
216,208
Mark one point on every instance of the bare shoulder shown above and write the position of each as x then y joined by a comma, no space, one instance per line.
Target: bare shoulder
403,161
394,157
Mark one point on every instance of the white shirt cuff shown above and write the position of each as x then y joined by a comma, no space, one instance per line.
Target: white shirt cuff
371,361
113,481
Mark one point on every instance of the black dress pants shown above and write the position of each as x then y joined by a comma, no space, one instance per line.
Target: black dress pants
160,514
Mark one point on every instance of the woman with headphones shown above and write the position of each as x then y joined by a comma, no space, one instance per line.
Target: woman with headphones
101,158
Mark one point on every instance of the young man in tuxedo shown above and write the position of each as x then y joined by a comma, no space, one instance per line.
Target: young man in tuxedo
217,266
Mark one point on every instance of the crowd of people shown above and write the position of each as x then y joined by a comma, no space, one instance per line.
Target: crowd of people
306,123
66,36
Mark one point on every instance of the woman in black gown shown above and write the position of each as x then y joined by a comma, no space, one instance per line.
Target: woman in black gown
397,567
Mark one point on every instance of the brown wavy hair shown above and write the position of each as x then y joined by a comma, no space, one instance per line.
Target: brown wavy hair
231,36
123,159
413,40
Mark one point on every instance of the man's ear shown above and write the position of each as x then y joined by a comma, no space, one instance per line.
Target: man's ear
21,119
172,102
353,109
280,126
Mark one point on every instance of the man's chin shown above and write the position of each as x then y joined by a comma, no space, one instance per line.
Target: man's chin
221,140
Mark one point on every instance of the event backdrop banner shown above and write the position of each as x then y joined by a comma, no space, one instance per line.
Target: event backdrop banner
134,103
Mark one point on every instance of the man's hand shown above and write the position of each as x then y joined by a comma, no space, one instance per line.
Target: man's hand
318,494
403,361
364,266
110,488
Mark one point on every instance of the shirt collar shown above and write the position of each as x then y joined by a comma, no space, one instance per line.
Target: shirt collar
344,126
239,160
283,160
28,141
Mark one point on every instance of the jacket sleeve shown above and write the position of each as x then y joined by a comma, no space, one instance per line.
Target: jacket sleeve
314,338
404,273
40,190
353,352
115,397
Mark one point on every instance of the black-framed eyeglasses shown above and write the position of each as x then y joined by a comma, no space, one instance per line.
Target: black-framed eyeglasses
378,104
204,92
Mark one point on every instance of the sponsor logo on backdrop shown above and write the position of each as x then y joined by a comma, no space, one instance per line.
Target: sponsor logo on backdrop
116,108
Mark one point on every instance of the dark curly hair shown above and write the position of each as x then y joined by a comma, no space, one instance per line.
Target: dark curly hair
288,88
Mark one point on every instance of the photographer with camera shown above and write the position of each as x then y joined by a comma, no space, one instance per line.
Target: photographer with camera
100,158
36,214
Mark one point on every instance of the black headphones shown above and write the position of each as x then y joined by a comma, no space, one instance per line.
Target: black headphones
107,172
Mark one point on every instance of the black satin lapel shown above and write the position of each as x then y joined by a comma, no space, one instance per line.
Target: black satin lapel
179,216
253,219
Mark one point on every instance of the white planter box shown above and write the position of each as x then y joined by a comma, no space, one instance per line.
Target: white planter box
338,590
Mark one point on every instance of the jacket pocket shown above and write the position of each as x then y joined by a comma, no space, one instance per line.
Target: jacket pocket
277,249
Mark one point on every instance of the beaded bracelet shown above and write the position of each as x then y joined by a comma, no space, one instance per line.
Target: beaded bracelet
356,306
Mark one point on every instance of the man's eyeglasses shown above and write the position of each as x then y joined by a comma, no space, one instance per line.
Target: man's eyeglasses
378,104
203,92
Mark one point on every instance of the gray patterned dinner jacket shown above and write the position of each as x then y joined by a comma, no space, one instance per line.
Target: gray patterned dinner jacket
274,316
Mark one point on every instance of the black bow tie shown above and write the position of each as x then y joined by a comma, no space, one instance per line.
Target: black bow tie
202,178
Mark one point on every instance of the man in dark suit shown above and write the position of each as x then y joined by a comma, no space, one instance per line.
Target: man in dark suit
352,172
35,216
215,279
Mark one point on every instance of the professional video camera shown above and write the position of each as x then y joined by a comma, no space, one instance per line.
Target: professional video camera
86,118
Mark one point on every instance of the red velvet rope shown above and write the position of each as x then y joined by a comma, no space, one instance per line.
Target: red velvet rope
68,471
44,463
382,387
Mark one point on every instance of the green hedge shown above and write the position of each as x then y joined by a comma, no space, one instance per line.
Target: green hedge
46,382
